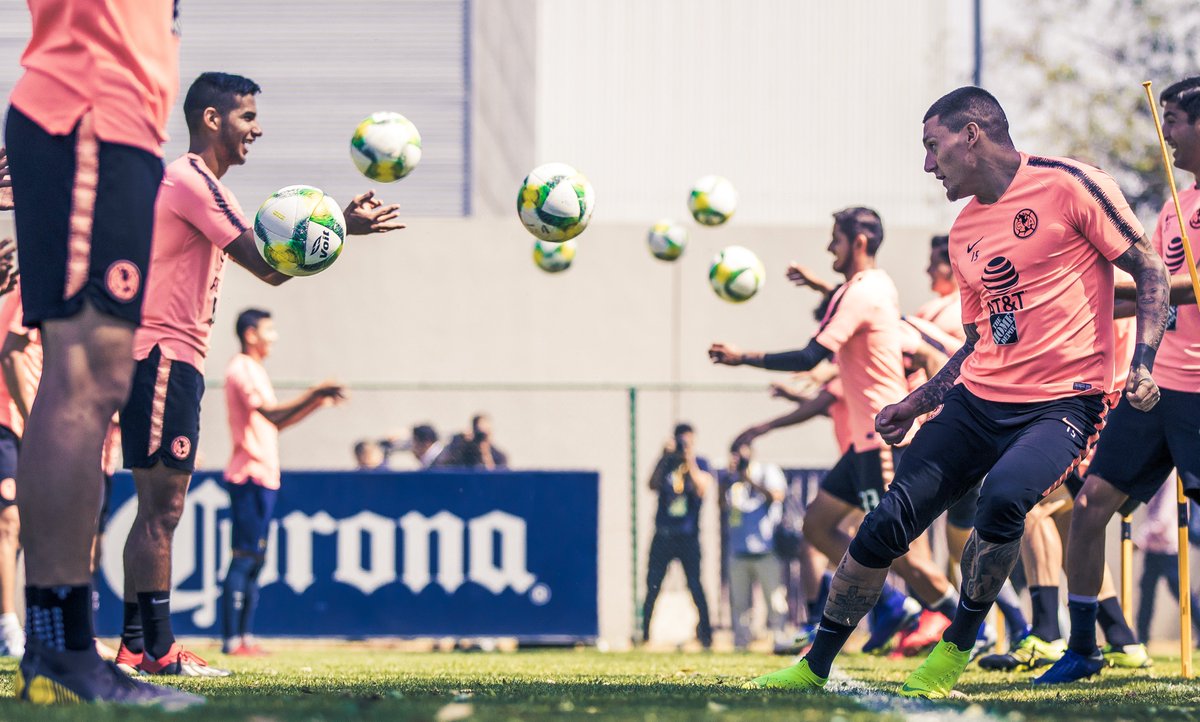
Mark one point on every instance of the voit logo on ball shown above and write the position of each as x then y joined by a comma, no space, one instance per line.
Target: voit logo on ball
1000,279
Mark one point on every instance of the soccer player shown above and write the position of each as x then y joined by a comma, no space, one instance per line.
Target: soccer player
21,365
862,327
1141,445
252,476
1020,401
198,223
84,135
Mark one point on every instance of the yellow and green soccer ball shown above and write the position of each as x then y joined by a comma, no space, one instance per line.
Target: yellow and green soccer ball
713,200
667,240
555,202
385,147
299,230
736,274
553,257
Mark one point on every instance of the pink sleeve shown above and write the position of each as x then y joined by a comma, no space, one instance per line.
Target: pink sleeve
844,318
208,208
1099,211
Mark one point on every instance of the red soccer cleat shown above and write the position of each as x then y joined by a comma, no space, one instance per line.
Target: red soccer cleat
248,650
927,634
179,661
126,661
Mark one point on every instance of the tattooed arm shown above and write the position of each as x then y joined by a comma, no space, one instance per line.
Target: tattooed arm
1153,287
894,421
1181,292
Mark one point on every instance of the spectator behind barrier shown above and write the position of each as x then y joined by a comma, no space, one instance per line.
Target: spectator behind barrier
368,455
475,449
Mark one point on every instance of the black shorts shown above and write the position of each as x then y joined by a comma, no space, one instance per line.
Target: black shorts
10,446
1139,448
252,506
161,420
1026,451
84,218
858,478
962,513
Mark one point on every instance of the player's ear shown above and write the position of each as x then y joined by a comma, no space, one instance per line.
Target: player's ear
212,118
972,132
861,243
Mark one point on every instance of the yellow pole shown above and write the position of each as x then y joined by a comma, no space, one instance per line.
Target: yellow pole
1127,569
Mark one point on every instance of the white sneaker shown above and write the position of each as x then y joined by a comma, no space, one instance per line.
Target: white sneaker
13,638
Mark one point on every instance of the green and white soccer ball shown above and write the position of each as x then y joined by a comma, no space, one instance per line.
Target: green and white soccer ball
555,202
736,274
299,230
713,200
385,147
667,240
553,257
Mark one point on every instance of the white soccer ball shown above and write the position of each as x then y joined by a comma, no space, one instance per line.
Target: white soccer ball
555,202
299,230
713,200
736,274
667,240
385,147
553,257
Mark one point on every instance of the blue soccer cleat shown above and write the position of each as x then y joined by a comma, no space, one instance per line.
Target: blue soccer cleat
890,618
1072,667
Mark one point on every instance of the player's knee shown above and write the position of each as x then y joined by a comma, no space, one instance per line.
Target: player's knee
1001,518
10,530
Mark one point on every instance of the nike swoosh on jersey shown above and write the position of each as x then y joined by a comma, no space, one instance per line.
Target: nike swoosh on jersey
971,246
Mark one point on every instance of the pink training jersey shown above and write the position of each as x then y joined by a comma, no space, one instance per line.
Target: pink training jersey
862,326
195,219
10,322
255,439
840,416
117,58
1035,278
1177,363
945,312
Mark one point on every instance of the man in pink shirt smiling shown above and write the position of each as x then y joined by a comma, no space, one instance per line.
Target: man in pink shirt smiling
252,477
198,222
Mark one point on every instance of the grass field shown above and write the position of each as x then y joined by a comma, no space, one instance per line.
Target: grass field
343,681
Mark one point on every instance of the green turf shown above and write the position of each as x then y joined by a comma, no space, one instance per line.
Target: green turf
349,682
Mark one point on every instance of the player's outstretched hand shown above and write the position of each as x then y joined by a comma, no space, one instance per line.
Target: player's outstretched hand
1140,389
367,214
894,421
6,196
724,354
8,265
803,276
748,436
331,392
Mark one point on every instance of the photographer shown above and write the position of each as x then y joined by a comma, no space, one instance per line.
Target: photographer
680,478
476,449
751,502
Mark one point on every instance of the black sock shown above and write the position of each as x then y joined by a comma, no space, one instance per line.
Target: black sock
1112,623
131,629
948,605
156,622
831,637
60,618
1083,625
967,620
1009,605
1045,613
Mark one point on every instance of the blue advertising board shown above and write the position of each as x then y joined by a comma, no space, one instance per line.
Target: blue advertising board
417,554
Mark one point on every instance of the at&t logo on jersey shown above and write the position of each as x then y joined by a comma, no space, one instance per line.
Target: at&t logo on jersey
1000,279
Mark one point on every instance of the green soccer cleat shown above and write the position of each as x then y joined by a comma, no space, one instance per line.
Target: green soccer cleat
1131,656
798,677
1030,653
938,674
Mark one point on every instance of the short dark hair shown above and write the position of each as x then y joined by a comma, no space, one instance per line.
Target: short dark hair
940,245
683,428
970,104
856,220
361,445
425,434
1185,94
248,319
215,90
